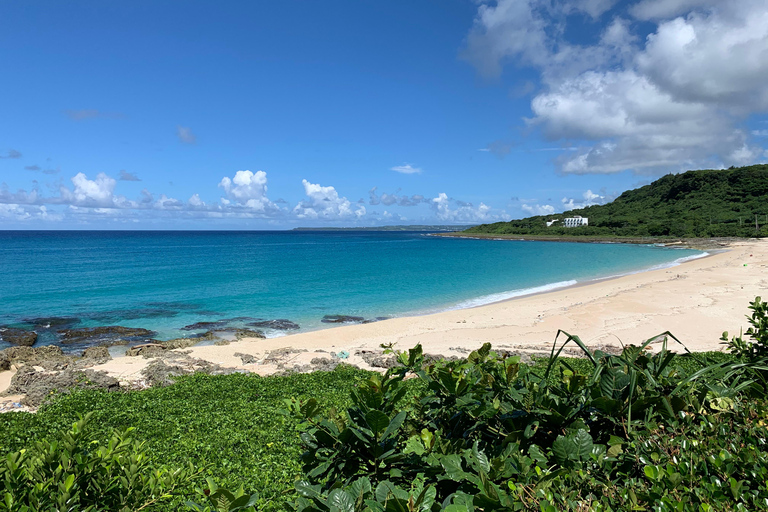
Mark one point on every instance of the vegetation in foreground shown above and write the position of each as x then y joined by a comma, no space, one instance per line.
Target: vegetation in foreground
636,431
695,204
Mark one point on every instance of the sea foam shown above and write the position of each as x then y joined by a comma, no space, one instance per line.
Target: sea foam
498,297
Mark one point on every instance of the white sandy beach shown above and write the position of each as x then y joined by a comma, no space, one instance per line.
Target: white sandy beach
696,301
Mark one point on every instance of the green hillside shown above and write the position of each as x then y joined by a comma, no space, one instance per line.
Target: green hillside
709,203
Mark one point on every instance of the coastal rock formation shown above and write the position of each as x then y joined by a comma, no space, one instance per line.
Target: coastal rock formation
147,350
342,319
238,333
281,324
111,334
97,355
34,355
37,386
199,326
18,337
158,373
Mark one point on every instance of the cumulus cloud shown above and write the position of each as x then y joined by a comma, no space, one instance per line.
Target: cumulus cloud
96,192
406,169
671,98
453,211
249,190
589,198
128,176
185,135
12,153
325,203
538,209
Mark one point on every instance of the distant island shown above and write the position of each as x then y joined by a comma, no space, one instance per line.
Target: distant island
695,204
417,227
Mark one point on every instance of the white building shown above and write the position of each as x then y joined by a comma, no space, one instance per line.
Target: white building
574,222
550,222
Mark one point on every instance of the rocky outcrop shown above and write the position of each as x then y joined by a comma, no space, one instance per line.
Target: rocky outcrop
97,355
38,386
20,337
281,324
111,334
159,373
199,326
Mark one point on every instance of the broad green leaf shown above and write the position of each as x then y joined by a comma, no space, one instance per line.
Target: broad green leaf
341,500
377,421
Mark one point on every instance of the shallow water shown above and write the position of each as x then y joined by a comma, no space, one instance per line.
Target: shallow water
164,281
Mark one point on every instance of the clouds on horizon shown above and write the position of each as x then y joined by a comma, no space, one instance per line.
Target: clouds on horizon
675,99
244,197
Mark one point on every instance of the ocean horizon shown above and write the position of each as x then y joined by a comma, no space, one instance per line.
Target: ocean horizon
168,281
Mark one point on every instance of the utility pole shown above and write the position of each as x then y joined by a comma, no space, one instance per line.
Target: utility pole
757,228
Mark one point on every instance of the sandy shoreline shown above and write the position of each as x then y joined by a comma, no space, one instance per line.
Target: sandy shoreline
696,301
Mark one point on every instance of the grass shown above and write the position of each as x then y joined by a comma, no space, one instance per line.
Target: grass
231,423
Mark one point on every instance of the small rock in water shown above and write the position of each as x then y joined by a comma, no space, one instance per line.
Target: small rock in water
281,324
199,326
342,319
18,337
52,322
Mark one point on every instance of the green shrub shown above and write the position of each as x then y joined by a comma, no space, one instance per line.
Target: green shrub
490,433
74,473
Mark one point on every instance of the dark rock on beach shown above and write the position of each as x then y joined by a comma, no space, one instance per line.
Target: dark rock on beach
97,355
112,334
158,373
38,386
342,319
281,324
18,337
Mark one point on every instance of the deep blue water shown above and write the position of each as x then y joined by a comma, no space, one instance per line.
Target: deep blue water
166,280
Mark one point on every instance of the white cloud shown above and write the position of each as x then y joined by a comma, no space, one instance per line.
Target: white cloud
249,190
325,203
185,135
464,213
676,100
589,199
97,192
406,169
538,209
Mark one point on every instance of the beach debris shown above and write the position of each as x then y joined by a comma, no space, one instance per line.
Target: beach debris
343,354
281,324
20,337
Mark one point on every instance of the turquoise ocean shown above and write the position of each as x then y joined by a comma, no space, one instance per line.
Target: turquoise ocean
164,281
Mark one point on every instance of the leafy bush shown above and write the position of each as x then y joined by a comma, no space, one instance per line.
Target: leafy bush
490,434
74,473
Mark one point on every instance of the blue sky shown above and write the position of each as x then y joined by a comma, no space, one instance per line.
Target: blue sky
272,115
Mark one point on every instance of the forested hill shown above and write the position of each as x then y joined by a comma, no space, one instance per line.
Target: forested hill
709,203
